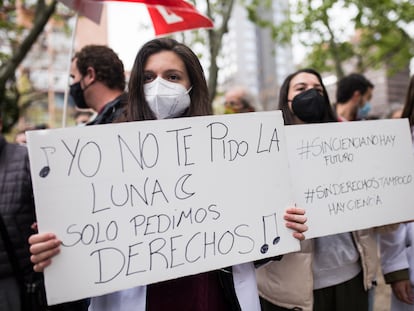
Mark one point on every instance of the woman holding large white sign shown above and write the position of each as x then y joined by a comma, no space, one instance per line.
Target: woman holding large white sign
167,81
332,272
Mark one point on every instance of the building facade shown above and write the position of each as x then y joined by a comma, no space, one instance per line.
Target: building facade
250,58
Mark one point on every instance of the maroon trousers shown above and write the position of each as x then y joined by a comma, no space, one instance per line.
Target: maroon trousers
201,292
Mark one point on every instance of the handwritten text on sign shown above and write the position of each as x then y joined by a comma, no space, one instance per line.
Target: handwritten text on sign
142,202
352,175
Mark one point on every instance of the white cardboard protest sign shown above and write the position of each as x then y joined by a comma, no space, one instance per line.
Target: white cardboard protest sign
141,202
352,175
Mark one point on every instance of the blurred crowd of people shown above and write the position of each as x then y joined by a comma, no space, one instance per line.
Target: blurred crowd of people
337,272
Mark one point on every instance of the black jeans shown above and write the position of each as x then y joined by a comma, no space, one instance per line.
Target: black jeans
350,295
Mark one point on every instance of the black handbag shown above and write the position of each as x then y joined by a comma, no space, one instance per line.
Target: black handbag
32,290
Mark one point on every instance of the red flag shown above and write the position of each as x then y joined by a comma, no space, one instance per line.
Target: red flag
168,19
174,15
167,15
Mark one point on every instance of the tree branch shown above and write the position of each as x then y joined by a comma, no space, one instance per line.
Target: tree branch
8,69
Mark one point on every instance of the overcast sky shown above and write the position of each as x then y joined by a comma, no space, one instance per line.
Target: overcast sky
129,28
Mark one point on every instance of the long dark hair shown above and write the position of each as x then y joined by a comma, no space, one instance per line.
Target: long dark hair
408,110
138,108
288,115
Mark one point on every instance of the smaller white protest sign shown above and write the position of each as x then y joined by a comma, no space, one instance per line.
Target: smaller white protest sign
352,175
142,202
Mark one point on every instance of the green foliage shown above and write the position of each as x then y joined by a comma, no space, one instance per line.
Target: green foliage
16,43
322,57
381,38
379,29
384,40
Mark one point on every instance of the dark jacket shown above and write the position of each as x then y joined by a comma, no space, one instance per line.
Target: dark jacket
112,111
16,205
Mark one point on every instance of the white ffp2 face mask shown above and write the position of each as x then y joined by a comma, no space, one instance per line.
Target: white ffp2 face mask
166,99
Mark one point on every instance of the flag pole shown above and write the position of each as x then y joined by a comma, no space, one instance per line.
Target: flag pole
66,93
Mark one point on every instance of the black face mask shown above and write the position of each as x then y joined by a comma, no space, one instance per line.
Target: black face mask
309,106
76,92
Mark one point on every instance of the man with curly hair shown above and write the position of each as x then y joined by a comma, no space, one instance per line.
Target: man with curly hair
98,82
